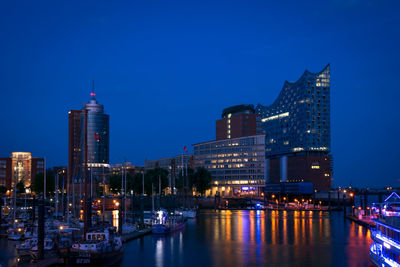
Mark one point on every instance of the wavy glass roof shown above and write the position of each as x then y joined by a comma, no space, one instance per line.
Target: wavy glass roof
299,119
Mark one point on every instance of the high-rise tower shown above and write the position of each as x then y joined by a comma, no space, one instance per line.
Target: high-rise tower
97,143
97,132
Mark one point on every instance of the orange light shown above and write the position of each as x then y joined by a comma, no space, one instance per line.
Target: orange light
351,195
273,196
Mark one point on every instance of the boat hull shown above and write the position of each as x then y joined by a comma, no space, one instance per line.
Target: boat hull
104,259
160,229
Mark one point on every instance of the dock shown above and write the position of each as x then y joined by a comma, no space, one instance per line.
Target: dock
366,222
128,237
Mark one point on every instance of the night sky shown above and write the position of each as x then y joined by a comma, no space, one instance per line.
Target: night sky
165,70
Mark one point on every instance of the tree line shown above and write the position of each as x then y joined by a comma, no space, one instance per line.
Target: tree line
197,179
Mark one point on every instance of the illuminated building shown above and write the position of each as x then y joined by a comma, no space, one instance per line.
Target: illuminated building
97,132
385,251
236,164
297,132
238,121
20,166
74,143
117,169
97,141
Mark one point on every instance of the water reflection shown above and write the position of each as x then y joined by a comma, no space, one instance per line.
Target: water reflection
115,218
159,253
257,238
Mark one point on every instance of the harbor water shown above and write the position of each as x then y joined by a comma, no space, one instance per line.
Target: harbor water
256,238
247,238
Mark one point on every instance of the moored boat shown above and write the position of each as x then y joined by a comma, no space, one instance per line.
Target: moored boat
164,223
100,248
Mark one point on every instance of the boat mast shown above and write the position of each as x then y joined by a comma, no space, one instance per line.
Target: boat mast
85,178
125,193
104,194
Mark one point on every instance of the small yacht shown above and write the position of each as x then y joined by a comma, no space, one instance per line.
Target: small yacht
164,223
49,249
27,245
15,234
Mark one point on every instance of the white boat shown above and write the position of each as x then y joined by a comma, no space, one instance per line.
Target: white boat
28,244
49,249
101,248
15,234
48,245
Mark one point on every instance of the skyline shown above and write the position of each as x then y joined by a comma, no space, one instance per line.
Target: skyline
143,73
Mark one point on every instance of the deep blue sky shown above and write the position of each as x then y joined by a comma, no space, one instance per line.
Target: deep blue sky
165,70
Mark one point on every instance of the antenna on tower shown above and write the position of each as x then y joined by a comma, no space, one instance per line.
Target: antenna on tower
92,94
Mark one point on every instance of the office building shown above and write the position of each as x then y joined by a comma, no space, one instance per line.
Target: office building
97,143
237,165
238,121
174,165
20,166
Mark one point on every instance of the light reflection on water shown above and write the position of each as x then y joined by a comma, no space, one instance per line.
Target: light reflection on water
247,238
256,238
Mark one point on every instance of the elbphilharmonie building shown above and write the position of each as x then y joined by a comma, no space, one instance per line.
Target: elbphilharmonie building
297,131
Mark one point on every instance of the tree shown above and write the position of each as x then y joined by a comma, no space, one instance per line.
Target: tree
115,183
202,180
152,176
3,189
38,183
180,182
135,183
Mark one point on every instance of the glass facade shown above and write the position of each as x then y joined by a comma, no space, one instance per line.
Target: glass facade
299,119
236,165
97,135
